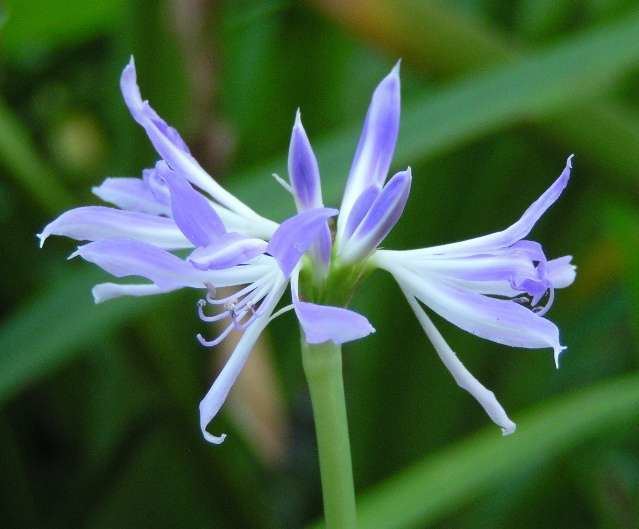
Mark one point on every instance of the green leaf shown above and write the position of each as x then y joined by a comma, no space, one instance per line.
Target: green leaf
53,328
438,485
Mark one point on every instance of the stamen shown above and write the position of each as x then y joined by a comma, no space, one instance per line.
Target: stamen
280,312
243,307
540,311
236,295
233,297
283,183
209,319
216,341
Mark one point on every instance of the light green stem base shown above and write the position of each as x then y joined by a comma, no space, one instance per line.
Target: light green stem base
323,369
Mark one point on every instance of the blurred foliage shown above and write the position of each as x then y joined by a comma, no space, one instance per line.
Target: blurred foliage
98,426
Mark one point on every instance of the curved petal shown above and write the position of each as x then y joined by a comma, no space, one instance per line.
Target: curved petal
216,396
124,257
171,147
360,208
296,235
228,250
376,144
132,194
92,223
303,169
380,218
324,323
561,272
192,212
514,233
462,376
498,320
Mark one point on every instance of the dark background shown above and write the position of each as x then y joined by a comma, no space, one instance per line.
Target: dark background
99,424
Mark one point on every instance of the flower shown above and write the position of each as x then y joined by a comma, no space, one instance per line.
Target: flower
492,286
230,244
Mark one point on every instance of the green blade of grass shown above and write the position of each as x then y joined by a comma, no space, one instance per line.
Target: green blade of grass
18,155
429,490
61,322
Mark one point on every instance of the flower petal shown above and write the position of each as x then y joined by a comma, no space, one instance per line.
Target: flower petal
360,208
376,144
380,219
192,212
215,397
514,233
132,194
561,272
124,257
324,323
228,250
462,376
91,223
171,147
296,235
303,169
106,291
498,320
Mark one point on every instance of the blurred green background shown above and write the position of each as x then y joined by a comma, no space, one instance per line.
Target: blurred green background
98,424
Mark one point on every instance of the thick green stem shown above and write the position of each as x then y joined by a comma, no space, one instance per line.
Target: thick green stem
323,368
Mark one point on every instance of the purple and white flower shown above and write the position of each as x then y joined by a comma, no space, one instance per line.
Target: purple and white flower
498,286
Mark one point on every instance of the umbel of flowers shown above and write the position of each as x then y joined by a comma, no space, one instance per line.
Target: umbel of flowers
497,286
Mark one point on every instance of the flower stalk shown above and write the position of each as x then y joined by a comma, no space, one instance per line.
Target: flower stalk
323,370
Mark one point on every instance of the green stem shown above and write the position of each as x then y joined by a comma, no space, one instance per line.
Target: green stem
323,369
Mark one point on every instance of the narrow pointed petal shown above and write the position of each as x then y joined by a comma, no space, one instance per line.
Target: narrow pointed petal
296,235
123,257
107,291
360,209
92,223
324,323
192,212
171,147
462,376
518,230
498,320
561,272
228,250
514,267
132,194
376,144
217,394
303,169
380,219
321,250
